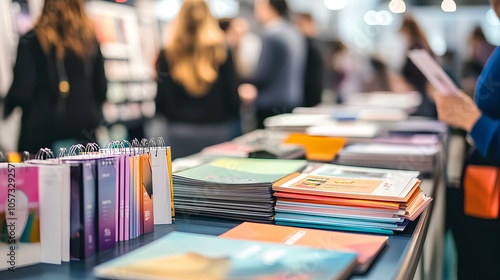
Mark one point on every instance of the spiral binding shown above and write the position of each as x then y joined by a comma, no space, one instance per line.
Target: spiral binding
44,153
115,147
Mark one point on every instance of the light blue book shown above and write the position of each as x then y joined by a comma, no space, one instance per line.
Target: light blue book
335,227
193,256
321,220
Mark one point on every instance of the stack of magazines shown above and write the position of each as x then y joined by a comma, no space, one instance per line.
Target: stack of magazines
387,155
233,188
257,144
350,198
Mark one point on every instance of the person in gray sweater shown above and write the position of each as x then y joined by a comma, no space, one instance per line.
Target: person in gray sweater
279,77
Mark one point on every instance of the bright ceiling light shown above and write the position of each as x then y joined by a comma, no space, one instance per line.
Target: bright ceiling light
397,6
370,18
449,6
167,9
384,17
335,4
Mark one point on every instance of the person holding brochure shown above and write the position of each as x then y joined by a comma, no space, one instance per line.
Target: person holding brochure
477,236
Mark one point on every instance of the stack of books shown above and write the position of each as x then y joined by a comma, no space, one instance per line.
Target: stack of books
348,129
295,122
194,256
257,144
233,188
387,155
350,198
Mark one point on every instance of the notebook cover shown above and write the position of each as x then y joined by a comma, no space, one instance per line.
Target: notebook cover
194,256
366,246
106,203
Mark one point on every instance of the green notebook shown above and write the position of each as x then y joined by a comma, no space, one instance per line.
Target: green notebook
241,171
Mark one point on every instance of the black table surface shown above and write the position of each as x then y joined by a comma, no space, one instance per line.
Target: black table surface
398,260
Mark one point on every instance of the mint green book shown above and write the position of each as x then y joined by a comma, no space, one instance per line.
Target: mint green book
242,171
190,256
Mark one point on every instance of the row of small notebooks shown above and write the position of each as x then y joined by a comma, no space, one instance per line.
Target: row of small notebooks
250,251
322,196
67,208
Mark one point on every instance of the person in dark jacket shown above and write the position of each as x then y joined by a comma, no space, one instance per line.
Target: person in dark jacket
197,82
59,80
415,39
313,79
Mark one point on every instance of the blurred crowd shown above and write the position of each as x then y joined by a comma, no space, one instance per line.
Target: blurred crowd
217,78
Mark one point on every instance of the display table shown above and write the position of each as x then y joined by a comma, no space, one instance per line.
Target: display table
416,253
398,260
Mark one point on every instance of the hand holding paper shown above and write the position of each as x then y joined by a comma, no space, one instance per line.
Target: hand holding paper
433,72
457,110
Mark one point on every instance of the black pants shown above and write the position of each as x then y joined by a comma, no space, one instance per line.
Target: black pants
477,241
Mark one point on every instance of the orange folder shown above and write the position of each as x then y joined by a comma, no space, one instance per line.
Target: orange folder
318,148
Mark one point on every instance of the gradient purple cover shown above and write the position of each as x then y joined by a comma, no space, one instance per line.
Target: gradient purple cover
106,203
121,218
83,195
117,199
88,208
76,226
127,199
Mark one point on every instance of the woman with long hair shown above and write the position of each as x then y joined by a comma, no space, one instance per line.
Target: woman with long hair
59,79
197,83
415,39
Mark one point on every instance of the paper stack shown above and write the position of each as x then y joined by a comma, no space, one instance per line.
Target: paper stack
295,122
257,144
234,188
388,155
350,198
347,129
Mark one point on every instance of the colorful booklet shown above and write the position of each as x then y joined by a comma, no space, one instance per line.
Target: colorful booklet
245,171
336,170
106,203
19,216
357,188
194,256
366,246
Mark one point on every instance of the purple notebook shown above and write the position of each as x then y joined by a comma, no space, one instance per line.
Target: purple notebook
106,203
83,207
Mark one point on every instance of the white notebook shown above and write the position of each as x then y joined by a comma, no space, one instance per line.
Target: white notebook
432,71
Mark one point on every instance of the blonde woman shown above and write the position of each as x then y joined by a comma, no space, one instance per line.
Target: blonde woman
59,79
197,84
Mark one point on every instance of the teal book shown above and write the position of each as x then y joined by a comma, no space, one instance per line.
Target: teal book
189,256
241,171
